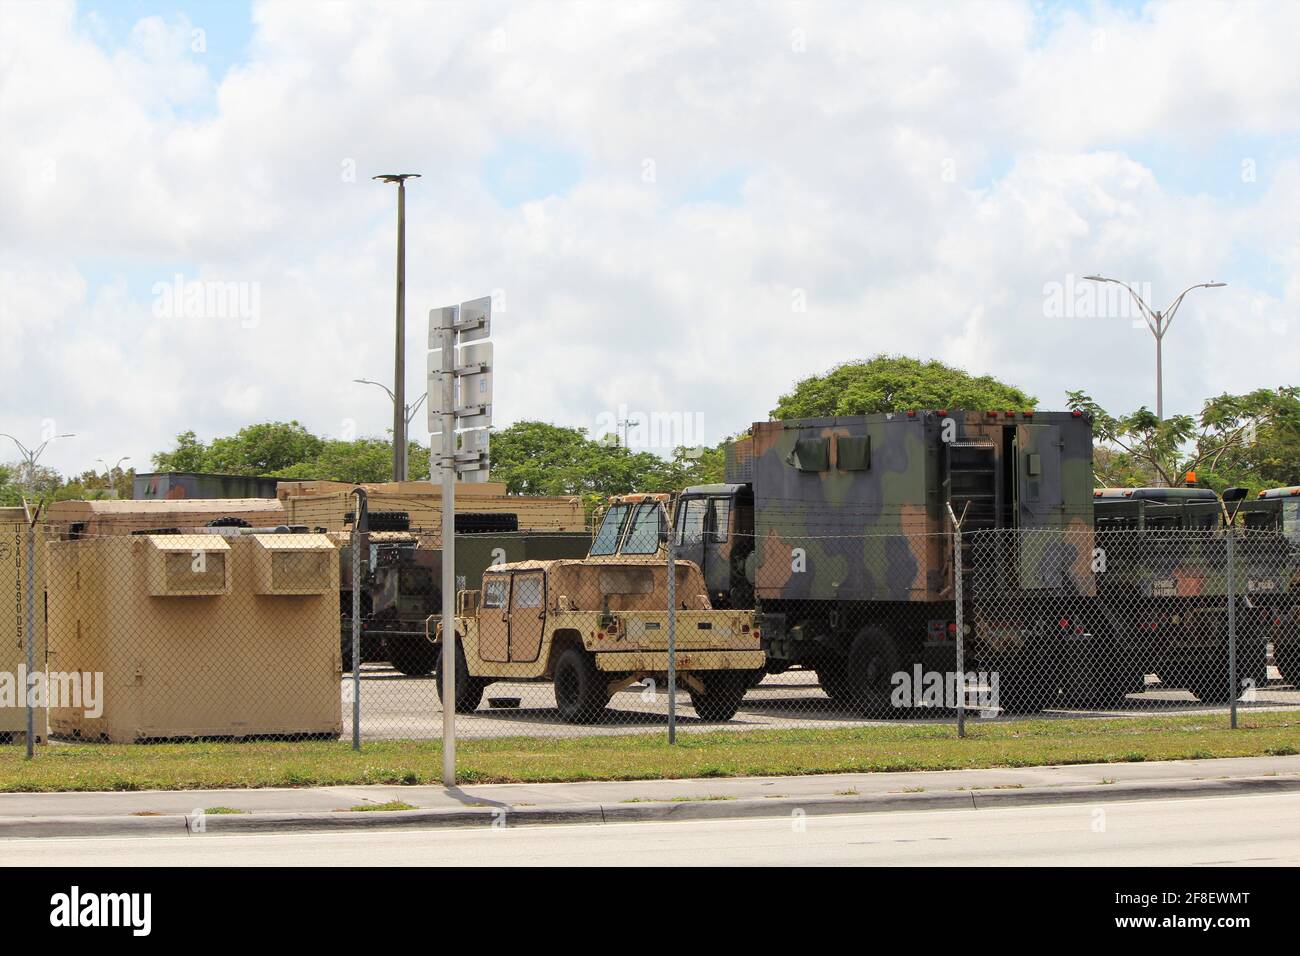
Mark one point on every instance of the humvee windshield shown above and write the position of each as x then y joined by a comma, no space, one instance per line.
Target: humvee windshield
643,536
606,541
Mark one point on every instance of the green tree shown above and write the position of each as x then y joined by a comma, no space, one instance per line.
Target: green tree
889,383
1248,440
538,458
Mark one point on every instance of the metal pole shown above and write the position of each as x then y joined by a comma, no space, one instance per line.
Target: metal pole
672,639
961,631
1232,627
31,630
1160,374
399,361
399,356
360,541
448,341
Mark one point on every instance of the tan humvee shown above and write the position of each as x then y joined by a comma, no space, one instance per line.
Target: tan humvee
596,627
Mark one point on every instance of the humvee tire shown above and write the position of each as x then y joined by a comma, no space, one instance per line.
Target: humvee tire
469,690
414,656
723,692
580,691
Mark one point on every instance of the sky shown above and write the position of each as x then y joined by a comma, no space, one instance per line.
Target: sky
680,210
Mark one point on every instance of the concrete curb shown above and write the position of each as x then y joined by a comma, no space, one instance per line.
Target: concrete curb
592,813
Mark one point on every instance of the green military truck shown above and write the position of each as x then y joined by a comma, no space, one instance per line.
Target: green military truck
1163,581
1272,525
838,531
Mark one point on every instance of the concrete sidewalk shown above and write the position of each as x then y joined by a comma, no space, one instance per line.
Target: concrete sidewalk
170,812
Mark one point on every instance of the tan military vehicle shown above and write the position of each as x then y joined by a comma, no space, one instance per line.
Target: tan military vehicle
596,626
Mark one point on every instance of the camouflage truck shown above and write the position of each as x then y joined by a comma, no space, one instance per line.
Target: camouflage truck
402,580
595,626
1163,584
838,530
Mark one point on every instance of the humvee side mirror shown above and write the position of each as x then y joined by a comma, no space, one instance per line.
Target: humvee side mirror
1234,494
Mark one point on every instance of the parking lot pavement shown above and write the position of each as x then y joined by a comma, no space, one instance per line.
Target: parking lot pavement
396,706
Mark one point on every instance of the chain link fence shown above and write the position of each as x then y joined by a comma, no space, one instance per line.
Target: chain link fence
298,632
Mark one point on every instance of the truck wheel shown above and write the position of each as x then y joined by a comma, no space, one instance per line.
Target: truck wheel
580,690
469,690
723,692
831,677
869,672
345,649
413,656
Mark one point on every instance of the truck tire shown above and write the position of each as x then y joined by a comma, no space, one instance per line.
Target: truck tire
831,677
723,692
469,690
414,656
345,645
869,671
580,690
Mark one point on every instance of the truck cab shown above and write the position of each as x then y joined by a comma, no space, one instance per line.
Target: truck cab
714,529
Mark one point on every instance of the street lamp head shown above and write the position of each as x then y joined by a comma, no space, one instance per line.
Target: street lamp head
1097,279
396,177
1215,285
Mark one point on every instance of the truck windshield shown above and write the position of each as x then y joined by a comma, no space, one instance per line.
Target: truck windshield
643,536
690,520
1291,520
606,540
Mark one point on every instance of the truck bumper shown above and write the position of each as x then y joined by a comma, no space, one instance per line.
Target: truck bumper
687,660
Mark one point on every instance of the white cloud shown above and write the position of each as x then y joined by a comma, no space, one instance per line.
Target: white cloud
916,174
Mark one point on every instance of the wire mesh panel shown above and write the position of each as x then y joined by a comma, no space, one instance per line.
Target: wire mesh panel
1121,620
233,632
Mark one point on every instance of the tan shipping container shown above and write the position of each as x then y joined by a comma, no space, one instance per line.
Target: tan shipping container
13,624
198,635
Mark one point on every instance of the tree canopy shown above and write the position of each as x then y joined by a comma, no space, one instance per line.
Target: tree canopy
1250,440
890,383
530,457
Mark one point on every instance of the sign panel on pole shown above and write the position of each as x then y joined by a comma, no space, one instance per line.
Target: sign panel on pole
475,319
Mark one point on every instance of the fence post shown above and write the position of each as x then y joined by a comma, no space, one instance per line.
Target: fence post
360,524
31,631
1232,627
672,640
961,617
961,631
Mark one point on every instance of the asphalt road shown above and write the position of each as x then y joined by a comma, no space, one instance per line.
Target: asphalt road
1207,831
396,706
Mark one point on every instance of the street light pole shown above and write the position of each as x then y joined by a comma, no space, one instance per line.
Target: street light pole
399,360
1158,323
408,414
626,424
31,456
108,472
